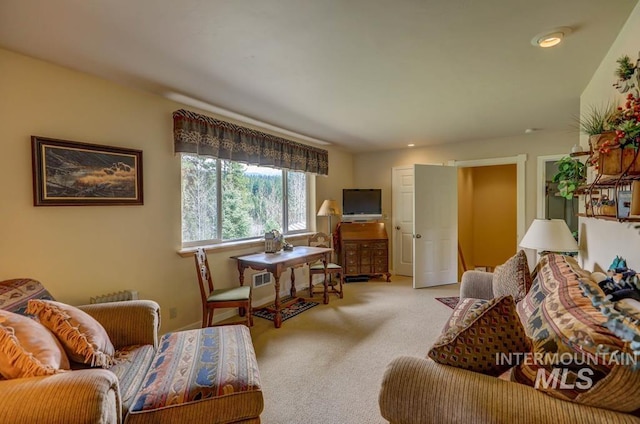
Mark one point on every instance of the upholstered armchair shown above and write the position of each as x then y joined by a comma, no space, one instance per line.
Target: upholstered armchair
89,395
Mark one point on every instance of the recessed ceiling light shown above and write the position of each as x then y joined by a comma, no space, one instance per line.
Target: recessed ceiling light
410,145
530,130
551,38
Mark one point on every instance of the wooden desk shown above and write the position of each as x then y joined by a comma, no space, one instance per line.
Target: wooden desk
276,263
364,249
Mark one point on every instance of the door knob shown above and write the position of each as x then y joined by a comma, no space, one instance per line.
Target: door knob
397,227
418,236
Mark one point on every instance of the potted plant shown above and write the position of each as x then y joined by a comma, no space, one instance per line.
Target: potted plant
620,153
571,173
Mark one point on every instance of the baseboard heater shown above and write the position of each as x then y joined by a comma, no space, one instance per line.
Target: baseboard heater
115,297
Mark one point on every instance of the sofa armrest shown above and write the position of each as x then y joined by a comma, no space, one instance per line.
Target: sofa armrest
131,322
476,285
420,391
84,396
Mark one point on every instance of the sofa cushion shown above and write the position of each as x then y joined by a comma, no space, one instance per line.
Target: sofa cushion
477,331
83,338
132,365
205,375
575,357
512,277
27,348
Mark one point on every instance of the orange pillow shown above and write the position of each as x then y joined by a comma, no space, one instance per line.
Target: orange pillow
84,339
27,348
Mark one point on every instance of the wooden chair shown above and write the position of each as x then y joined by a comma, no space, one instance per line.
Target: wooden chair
322,240
235,297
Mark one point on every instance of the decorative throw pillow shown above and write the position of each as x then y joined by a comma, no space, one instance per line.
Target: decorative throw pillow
478,332
512,277
27,348
84,339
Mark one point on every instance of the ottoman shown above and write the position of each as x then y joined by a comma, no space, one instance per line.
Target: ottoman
206,375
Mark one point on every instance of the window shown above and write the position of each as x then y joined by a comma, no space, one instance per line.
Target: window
224,200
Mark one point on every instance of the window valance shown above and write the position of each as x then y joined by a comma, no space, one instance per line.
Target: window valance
203,135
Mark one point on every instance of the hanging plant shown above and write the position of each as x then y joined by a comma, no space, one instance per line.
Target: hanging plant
571,173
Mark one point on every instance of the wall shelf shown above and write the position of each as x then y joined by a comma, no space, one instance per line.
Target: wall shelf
602,198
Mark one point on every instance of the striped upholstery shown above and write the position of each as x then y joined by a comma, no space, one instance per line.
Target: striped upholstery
420,391
210,374
133,362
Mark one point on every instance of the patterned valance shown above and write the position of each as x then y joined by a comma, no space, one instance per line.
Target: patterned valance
195,133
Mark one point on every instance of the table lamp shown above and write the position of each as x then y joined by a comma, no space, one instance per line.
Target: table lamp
549,236
329,208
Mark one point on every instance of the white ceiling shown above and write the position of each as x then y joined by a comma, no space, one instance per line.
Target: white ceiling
362,74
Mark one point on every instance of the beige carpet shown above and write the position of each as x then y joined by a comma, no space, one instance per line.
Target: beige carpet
325,365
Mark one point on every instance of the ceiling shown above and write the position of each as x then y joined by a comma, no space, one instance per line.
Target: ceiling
365,75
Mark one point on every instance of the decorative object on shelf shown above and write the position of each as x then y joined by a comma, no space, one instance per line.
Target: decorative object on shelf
624,203
571,173
273,241
602,206
549,236
620,154
69,173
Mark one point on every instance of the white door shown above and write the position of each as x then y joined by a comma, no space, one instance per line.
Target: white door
402,219
435,218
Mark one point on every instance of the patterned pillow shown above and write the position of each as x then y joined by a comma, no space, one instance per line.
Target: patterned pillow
512,277
477,332
84,339
27,348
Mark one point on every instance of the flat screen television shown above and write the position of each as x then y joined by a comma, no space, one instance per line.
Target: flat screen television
361,203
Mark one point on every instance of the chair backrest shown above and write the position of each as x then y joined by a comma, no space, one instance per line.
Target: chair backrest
319,240
204,275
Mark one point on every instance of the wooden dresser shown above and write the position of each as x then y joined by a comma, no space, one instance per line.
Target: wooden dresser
364,249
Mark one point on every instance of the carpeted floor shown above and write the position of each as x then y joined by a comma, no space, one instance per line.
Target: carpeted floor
325,365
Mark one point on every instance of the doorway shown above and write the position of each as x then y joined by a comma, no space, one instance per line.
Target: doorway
404,241
550,205
486,216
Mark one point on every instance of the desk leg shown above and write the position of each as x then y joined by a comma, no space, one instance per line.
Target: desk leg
325,299
277,319
241,311
293,283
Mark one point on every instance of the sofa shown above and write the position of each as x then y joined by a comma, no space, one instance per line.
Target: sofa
137,389
417,390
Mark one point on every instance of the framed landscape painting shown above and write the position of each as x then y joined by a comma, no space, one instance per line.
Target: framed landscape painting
68,173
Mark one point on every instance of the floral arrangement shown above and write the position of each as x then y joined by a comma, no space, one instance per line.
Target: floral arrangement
625,120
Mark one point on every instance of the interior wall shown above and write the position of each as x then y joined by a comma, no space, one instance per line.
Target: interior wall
601,241
494,214
79,252
373,169
465,218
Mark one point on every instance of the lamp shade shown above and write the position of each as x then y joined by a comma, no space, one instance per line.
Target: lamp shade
329,208
549,235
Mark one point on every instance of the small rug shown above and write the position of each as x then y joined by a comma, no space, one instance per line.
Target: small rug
288,312
451,301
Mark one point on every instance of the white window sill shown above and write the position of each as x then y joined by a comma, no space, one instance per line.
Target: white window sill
188,252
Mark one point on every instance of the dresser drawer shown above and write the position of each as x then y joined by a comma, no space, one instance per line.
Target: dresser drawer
352,270
351,260
380,268
350,246
380,260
